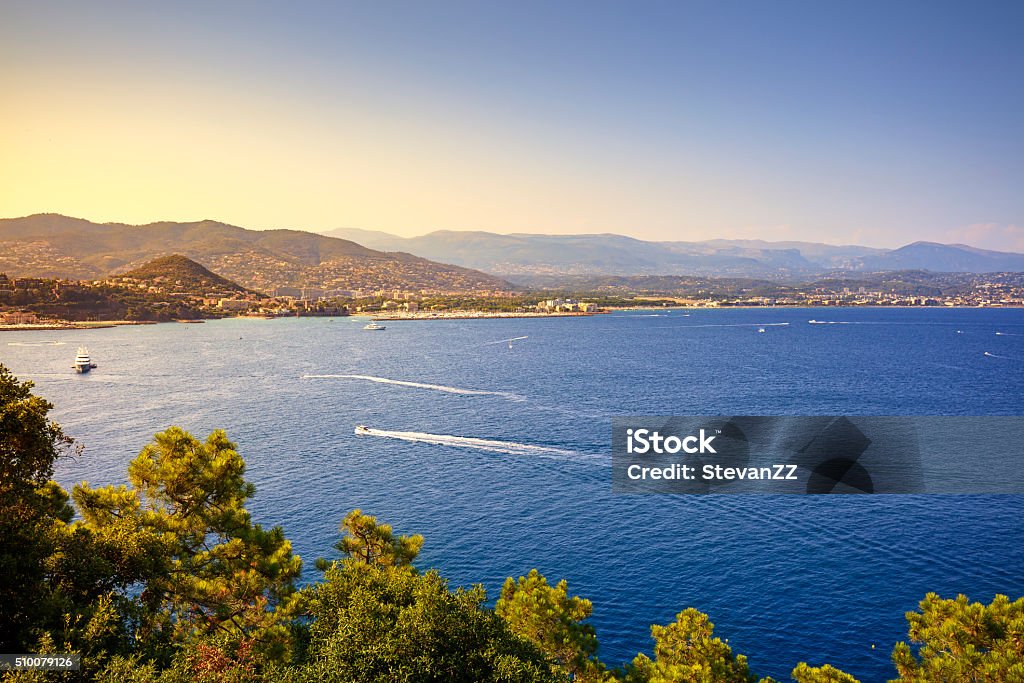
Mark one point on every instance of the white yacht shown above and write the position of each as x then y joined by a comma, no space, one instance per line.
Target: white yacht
83,363
375,326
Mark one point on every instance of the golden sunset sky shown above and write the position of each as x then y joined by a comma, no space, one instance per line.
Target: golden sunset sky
842,122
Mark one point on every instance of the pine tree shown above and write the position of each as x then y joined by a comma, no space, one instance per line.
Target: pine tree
215,572
551,619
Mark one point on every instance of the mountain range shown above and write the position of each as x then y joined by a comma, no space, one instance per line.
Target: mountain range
542,259
51,245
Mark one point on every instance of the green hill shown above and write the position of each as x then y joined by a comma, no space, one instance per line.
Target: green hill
177,273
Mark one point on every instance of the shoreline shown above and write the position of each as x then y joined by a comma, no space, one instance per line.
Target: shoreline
461,315
470,315
87,325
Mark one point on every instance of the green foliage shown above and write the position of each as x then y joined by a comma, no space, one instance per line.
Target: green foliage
686,652
181,274
552,620
963,641
372,622
367,542
34,510
821,674
212,571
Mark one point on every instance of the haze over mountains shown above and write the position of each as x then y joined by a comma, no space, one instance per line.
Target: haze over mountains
51,245
529,258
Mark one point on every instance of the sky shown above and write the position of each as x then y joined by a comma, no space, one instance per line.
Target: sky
874,123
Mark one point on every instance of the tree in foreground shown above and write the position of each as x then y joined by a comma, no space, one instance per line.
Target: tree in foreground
804,673
375,618
33,511
686,651
966,641
553,620
214,574
365,541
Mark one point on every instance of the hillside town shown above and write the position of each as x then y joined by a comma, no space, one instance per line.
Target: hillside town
184,290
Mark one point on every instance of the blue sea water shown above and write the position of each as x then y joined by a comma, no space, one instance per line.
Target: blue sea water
784,579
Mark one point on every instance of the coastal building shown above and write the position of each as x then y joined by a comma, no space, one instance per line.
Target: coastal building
566,305
18,318
233,305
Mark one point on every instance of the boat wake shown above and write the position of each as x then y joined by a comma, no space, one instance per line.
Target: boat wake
1009,334
506,341
737,325
40,343
508,447
830,322
420,385
992,355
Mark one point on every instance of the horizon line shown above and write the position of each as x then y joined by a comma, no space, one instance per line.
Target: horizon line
324,233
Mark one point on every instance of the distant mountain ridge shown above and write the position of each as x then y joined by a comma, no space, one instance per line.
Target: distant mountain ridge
528,258
51,245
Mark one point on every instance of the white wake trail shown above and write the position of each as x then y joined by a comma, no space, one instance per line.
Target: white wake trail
505,341
992,355
686,327
419,385
508,447
42,343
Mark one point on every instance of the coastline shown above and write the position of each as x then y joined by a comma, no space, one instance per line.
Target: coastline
464,315
87,325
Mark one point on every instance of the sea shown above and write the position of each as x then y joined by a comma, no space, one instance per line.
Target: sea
498,453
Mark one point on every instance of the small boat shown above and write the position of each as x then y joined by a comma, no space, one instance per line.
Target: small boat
760,329
375,326
83,363
361,430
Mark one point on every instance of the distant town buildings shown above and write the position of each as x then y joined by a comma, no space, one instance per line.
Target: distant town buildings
567,306
18,318
234,304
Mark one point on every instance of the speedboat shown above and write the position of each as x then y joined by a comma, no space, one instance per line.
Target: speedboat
760,329
83,363
362,430
375,326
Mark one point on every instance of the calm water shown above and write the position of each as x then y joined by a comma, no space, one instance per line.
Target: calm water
784,579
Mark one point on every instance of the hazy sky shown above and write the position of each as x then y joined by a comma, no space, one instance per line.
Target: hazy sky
875,123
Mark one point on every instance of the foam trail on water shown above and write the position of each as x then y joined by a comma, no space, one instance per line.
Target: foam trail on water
992,355
419,385
508,447
42,343
505,341
1008,334
737,325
